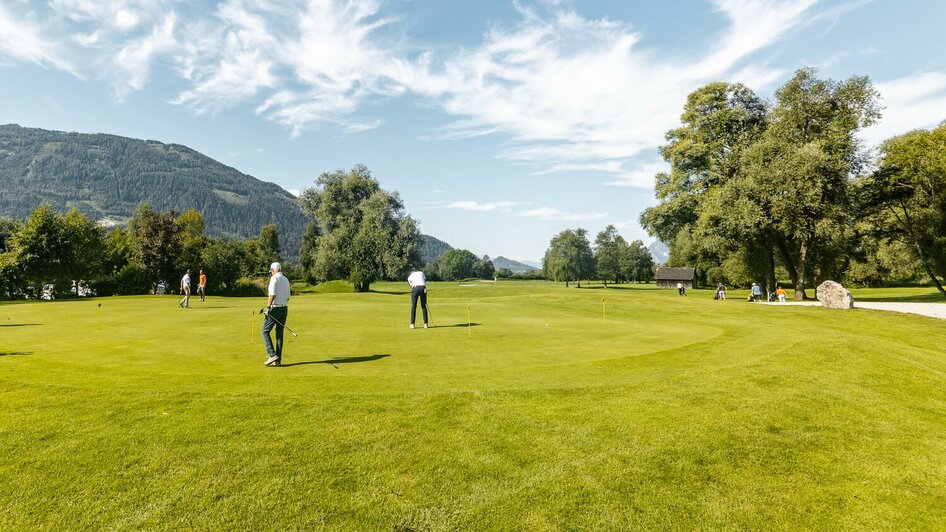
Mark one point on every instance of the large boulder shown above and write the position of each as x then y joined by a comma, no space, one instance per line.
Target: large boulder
833,295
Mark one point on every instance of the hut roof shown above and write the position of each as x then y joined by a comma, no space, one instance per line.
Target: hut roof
674,274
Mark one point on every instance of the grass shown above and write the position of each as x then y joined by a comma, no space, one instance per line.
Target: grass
673,413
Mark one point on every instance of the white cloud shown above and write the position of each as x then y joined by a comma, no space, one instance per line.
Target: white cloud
912,102
579,94
573,94
642,176
22,40
482,207
550,213
134,59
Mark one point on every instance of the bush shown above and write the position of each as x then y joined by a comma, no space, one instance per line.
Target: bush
130,280
249,287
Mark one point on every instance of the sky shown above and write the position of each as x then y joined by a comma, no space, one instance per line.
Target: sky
500,123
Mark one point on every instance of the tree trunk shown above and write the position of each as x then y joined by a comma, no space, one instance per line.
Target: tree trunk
789,264
802,265
566,283
361,287
929,270
770,279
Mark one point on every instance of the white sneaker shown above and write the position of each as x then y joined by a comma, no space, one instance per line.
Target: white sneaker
425,325
412,326
272,361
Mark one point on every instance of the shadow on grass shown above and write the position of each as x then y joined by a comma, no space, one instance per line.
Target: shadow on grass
15,353
338,360
20,324
390,292
455,325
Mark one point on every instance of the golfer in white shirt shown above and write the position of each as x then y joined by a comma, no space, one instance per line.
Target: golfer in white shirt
277,309
418,282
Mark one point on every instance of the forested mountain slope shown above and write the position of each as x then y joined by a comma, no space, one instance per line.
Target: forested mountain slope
107,176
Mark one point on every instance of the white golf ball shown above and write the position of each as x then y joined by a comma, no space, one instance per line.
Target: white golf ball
546,324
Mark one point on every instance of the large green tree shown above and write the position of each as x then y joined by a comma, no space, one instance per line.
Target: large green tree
803,168
610,248
753,187
157,241
363,231
720,121
569,257
908,195
455,264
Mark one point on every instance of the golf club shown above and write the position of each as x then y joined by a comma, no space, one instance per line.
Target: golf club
292,332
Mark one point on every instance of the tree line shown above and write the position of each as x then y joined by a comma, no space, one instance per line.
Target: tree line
75,255
570,257
766,191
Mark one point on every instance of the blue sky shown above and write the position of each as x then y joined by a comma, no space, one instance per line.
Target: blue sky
500,123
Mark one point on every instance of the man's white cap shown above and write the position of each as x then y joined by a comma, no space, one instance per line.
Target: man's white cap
275,266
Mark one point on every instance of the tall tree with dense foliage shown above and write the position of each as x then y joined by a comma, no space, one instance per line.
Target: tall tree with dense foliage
720,121
455,264
192,240
804,165
483,268
38,248
363,232
908,194
752,187
84,249
569,257
157,238
609,249
637,264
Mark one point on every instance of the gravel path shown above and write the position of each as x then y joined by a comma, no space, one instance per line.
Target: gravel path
933,310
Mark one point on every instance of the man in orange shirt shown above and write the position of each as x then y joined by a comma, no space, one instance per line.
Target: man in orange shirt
202,285
780,292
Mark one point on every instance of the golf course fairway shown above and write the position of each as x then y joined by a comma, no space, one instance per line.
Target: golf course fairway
525,406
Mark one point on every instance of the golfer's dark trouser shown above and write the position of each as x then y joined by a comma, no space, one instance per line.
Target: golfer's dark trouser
279,313
418,292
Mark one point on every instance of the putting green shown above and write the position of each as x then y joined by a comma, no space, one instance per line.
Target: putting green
478,339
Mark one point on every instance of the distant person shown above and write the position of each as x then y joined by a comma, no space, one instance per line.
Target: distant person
277,309
418,282
185,302
202,286
682,290
756,292
780,292
721,292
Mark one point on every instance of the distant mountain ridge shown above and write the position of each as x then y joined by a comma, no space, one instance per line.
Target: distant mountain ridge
659,251
432,248
512,265
107,176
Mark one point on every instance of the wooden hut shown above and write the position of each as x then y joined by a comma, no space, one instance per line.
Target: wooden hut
669,277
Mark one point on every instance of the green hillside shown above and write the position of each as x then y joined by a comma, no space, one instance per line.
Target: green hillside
107,176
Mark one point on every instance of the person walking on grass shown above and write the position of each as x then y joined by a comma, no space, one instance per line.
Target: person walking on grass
682,290
418,282
185,301
780,292
721,292
277,309
202,286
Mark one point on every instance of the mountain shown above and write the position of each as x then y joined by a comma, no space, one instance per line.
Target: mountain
431,248
511,265
659,251
107,176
